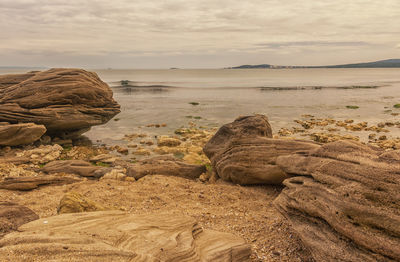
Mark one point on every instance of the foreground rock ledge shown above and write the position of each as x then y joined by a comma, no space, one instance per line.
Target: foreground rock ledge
13,215
117,236
344,202
67,101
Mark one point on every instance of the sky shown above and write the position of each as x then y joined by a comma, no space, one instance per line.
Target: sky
196,33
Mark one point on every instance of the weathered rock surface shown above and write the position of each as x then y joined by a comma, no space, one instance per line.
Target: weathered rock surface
73,202
67,101
117,236
344,201
104,158
20,134
29,183
13,215
244,126
249,161
164,165
77,167
243,152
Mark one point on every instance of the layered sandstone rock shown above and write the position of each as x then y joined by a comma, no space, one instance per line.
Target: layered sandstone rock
20,134
243,152
33,182
118,236
164,165
67,101
13,215
344,201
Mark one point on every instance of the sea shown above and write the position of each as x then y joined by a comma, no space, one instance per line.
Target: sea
213,97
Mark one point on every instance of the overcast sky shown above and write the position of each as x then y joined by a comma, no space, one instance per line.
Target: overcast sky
196,33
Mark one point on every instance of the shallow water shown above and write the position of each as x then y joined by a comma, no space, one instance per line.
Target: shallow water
163,96
225,94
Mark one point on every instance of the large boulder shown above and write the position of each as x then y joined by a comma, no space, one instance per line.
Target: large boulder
20,134
344,201
13,215
164,165
243,152
118,236
67,101
243,126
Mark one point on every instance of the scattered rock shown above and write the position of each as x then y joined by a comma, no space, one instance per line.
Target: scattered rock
141,152
168,141
118,174
344,201
13,215
123,150
78,167
104,158
118,236
20,134
73,202
8,169
67,101
42,154
164,165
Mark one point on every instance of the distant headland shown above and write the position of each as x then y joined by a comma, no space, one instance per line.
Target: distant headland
389,63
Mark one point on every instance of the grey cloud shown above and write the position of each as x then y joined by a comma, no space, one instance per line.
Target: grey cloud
129,28
312,43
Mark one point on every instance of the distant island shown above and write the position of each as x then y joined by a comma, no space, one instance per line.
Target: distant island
389,63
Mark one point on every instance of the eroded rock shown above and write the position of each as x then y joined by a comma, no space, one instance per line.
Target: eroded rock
344,201
244,126
67,101
243,152
20,134
117,236
29,183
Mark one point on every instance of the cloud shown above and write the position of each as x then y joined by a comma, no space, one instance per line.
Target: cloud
313,44
186,27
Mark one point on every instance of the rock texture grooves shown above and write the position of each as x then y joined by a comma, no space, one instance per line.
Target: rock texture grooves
244,153
344,202
20,134
13,215
66,101
118,236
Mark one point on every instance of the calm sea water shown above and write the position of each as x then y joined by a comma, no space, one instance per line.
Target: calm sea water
164,96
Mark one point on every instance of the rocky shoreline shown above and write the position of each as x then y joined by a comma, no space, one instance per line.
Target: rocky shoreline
229,180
